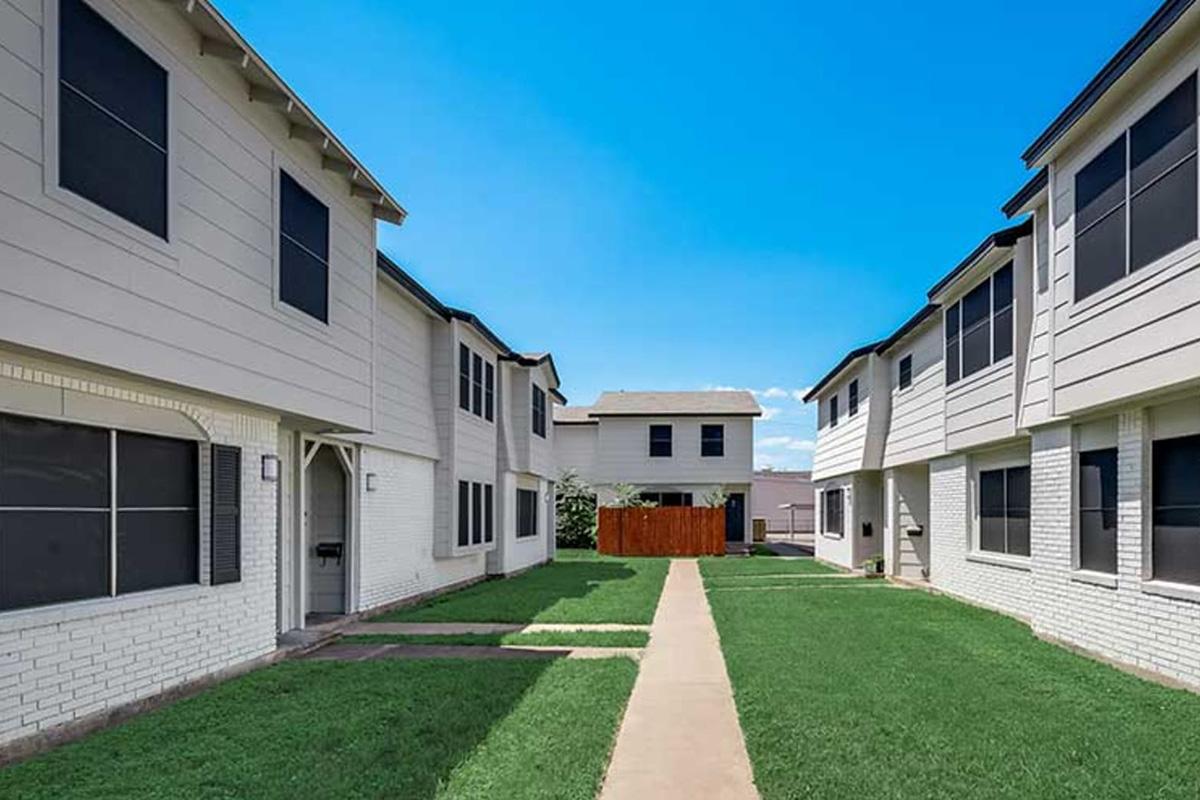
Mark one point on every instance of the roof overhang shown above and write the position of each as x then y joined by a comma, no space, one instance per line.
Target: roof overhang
849,360
1161,33
219,40
527,360
913,323
627,414
996,244
1029,196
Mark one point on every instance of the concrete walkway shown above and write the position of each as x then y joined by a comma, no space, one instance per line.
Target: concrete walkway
680,737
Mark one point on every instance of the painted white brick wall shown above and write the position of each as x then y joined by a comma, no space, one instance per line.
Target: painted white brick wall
1000,587
1122,622
397,532
62,662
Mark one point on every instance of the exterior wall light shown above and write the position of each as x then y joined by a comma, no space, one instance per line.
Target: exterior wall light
372,481
270,468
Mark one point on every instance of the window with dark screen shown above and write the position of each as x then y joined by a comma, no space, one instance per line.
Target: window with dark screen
660,441
303,250
1176,509
1004,496
1097,499
906,372
1143,183
112,119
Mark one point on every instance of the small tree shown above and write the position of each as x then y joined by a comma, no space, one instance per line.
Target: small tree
717,498
626,495
575,512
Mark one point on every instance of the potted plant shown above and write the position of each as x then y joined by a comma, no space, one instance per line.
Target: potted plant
873,567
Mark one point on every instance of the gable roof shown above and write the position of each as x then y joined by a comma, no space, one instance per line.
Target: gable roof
1006,237
1154,28
846,361
676,404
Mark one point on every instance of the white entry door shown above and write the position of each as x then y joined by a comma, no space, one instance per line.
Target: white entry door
326,541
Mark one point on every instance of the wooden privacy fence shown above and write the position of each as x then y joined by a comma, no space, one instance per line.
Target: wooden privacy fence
669,531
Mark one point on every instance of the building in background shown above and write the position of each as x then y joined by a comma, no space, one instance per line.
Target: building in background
676,447
784,500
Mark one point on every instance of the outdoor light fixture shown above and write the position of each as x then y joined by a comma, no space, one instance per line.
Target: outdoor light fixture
371,481
270,468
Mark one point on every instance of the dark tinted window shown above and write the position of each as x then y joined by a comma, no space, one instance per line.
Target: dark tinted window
488,515
48,464
852,400
712,440
464,378
477,385
476,513
1176,500
527,502
1004,499
157,514
303,250
1098,510
833,411
464,513
660,441
539,411
976,334
906,372
952,349
489,391
112,119
1160,178
1002,312
55,517
833,511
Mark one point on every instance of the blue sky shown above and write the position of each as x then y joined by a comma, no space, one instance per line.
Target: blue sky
683,195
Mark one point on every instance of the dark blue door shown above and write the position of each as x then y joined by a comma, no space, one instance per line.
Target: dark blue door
735,518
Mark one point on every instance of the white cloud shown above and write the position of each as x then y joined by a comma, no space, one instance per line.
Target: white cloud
770,393
770,413
786,443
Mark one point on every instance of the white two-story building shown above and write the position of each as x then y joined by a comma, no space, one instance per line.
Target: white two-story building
223,417
676,447
1041,448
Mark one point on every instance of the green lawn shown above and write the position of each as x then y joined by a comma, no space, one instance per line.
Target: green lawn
381,729
534,638
884,693
760,565
579,586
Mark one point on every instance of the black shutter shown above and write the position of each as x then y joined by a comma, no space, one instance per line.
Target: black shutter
226,542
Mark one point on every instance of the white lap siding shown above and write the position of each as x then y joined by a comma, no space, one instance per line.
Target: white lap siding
952,565
60,663
397,532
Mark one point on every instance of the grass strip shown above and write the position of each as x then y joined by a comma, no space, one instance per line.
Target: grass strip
533,638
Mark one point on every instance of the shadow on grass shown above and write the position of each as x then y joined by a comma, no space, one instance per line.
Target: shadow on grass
574,589
299,729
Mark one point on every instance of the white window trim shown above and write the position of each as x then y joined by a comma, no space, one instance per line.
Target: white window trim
280,163
94,218
974,551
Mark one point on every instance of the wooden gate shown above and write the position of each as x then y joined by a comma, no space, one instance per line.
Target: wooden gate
670,531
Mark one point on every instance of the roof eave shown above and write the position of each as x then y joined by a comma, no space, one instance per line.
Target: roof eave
1001,239
1028,196
843,365
219,39
1159,23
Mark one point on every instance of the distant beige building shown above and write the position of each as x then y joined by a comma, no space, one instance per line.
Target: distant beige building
784,498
